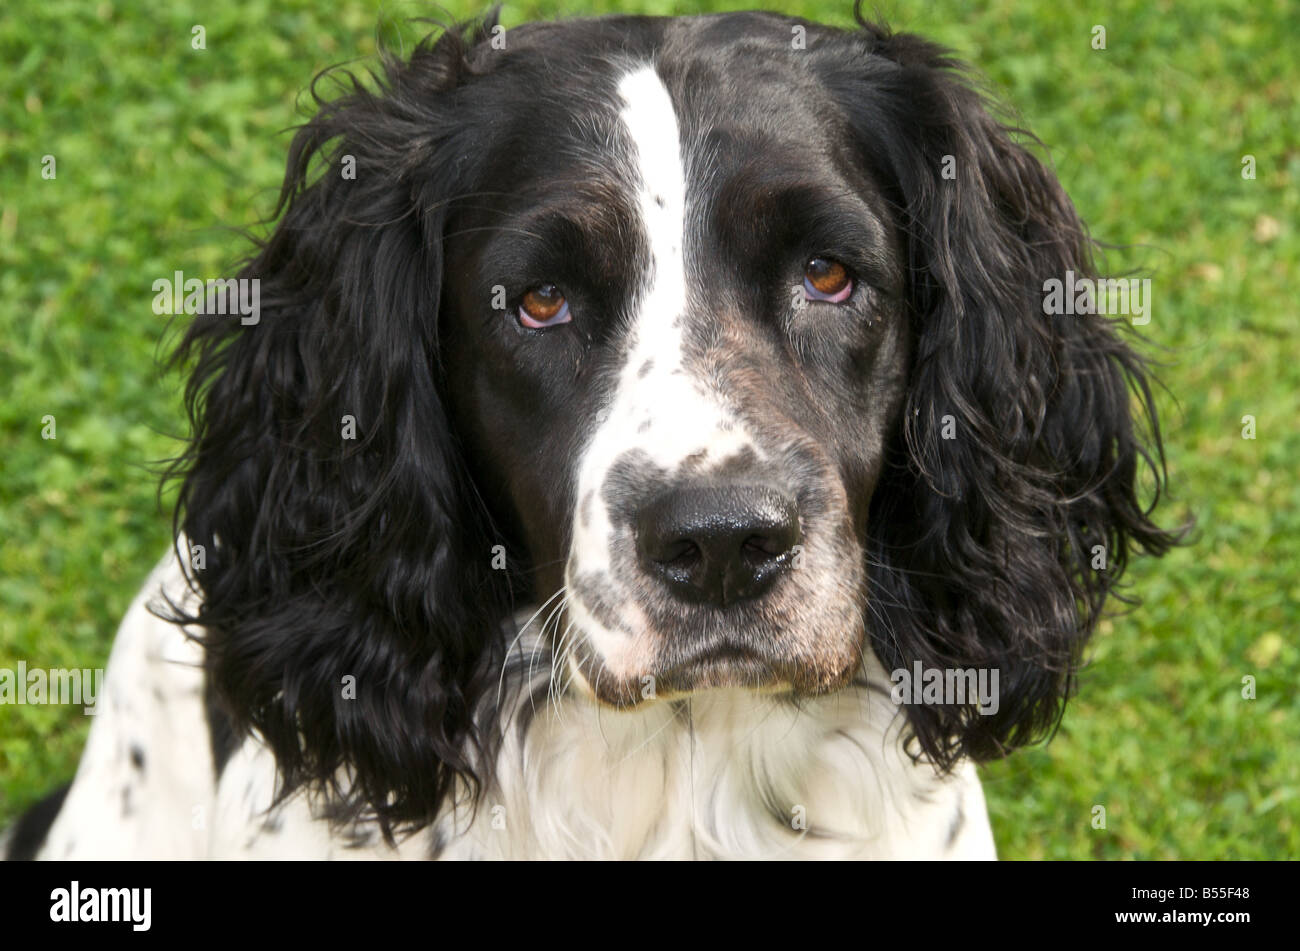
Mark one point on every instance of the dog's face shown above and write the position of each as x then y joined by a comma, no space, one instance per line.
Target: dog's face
731,329
678,344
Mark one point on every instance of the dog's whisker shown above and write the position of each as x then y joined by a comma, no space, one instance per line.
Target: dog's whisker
556,612
522,631
676,714
561,660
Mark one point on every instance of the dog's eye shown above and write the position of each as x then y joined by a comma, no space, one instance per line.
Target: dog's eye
826,279
543,306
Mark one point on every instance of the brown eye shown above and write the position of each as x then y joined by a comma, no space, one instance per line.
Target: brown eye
543,306
827,280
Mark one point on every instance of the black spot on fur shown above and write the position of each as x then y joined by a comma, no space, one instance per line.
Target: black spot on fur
30,831
437,842
958,822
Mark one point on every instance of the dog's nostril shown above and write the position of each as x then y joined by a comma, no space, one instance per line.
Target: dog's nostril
718,545
680,554
765,546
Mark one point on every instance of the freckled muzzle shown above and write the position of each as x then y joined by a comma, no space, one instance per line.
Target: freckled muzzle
747,574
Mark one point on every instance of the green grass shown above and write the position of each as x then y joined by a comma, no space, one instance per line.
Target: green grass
160,147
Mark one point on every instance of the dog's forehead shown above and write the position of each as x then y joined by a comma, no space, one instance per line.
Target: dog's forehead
575,116
743,77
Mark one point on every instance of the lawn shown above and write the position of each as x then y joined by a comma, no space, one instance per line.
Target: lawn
161,151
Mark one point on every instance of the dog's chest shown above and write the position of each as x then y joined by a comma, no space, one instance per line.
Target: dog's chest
727,776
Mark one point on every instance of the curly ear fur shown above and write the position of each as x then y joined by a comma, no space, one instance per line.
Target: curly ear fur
328,557
982,544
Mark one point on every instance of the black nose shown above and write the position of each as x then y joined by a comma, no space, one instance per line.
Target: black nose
718,546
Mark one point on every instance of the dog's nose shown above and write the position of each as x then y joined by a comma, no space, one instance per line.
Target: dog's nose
718,546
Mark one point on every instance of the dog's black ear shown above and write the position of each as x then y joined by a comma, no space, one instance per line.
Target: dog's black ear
349,609
1014,497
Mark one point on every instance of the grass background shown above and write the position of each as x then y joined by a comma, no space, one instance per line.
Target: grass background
160,147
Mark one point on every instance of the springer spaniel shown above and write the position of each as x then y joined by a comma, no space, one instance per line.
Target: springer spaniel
654,399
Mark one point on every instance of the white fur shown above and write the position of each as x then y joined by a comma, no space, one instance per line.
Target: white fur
663,781
154,704
685,414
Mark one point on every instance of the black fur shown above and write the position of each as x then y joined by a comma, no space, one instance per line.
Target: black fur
328,558
983,547
29,831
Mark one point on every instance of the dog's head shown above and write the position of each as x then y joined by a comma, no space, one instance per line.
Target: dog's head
726,334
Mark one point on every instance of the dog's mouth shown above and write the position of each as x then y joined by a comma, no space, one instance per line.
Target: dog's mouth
725,664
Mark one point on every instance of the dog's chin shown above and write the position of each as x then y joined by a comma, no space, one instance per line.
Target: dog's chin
721,668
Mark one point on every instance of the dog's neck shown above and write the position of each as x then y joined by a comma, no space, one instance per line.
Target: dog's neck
723,774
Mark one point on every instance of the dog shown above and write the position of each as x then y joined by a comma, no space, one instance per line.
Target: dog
651,428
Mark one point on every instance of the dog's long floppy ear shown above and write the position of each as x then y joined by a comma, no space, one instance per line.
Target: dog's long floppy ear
1013,500
349,611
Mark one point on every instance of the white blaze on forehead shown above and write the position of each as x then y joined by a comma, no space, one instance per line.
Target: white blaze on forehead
651,124
658,407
